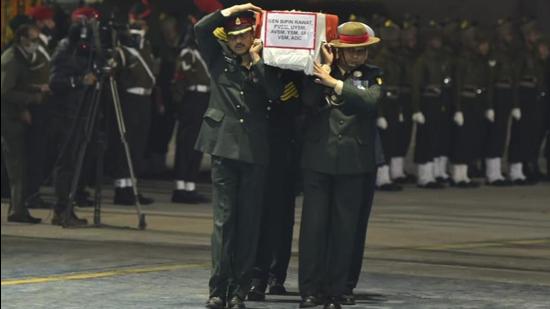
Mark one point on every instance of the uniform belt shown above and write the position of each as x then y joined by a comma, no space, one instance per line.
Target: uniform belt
432,91
528,84
470,92
503,85
199,88
139,91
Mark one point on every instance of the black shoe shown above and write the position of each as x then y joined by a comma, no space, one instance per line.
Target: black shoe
390,187
188,197
443,180
520,182
466,184
24,218
332,303
277,289
215,303
347,300
256,293
126,197
310,302
500,183
72,220
236,303
431,185
403,180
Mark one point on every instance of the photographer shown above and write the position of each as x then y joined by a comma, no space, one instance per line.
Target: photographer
17,95
71,82
136,79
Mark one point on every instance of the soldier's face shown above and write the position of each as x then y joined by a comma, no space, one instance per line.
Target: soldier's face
355,57
240,43
484,48
47,23
544,51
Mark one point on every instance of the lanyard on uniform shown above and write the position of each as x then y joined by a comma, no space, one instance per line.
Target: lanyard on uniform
44,52
134,52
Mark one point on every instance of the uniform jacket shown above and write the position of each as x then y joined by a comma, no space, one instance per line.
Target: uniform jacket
235,123
17,92
343,139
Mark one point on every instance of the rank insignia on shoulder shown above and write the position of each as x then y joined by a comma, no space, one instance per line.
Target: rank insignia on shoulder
379,81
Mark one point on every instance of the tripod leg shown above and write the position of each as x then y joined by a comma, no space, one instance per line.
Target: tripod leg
122,131
83,146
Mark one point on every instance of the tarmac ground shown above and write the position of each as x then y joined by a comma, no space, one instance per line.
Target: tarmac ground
455,248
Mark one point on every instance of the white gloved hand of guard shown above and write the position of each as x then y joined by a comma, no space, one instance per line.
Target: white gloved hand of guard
516,113
419,118
490,115
459,119
382,123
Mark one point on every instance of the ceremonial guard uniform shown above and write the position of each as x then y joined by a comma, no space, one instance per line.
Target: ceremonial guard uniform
391,121
431,107
136,77
473,105
191,92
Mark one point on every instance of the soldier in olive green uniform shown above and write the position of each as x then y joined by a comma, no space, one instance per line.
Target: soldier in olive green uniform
431,107
473,105
339,162
526,126
408,55
235,132
136,78
505,99
17,95
275,244
41,114
391,120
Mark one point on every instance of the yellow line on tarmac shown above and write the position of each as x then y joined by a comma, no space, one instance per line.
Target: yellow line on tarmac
101,274
485,244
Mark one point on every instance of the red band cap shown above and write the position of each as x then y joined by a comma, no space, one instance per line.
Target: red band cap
354,39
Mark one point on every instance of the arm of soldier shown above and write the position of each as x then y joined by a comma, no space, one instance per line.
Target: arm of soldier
21,99
207,42
361,99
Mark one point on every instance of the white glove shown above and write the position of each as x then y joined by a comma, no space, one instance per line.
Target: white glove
516,113
419,118
382,123
490,115
459,119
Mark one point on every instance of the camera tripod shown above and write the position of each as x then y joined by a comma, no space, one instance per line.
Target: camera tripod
93,115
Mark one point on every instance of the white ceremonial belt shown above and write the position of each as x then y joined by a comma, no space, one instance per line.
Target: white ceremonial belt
139,91
199,88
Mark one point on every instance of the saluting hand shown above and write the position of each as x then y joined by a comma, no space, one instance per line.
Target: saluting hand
328,55
242,8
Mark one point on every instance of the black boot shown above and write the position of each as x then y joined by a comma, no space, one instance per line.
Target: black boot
61,218
257,291
215,303
125,196
236,303
24,218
